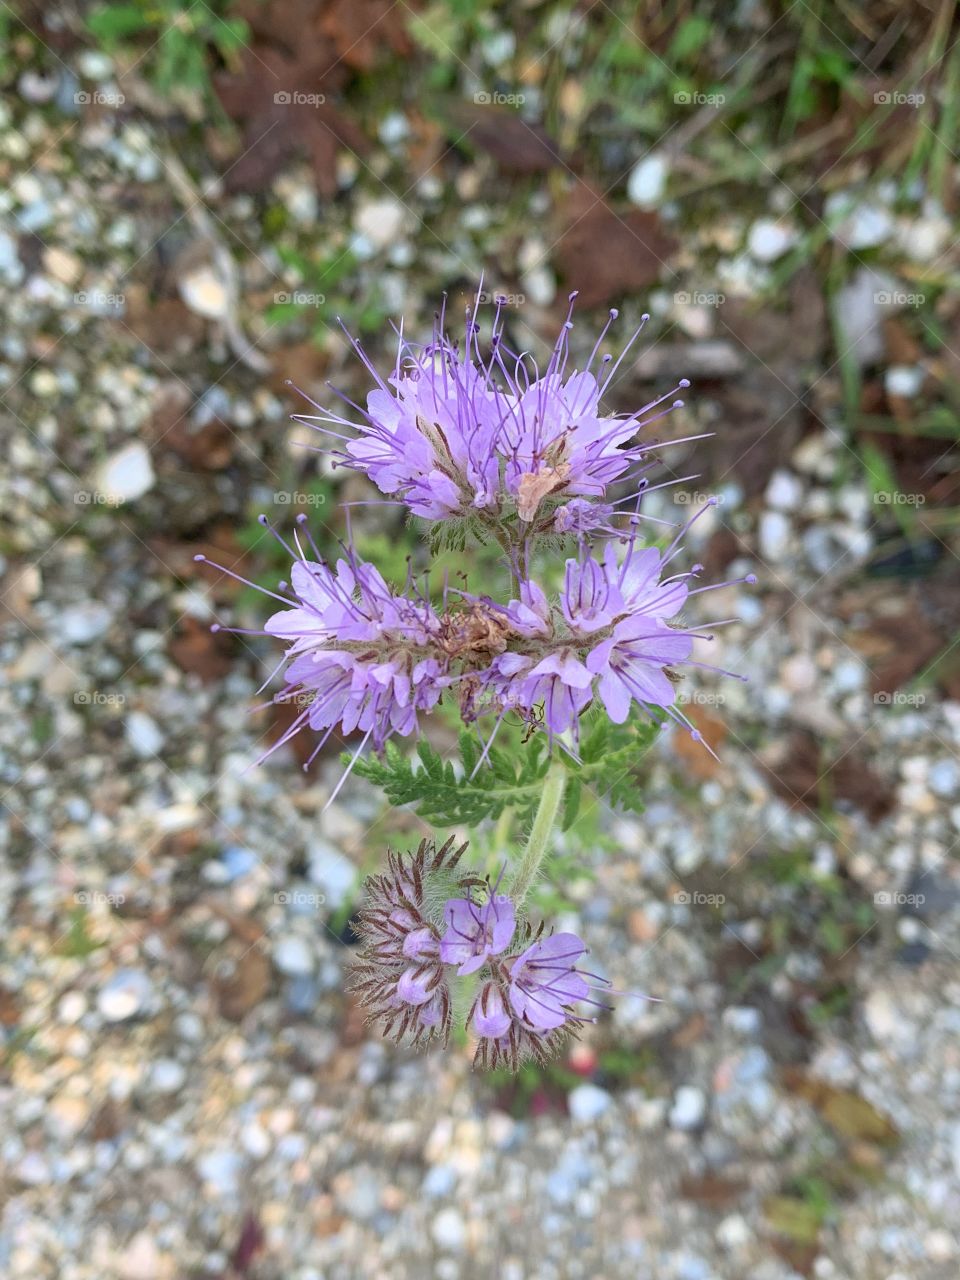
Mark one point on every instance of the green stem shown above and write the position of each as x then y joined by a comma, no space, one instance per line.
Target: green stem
543,823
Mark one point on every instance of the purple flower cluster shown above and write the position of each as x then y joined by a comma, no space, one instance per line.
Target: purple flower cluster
453,434
607,637
454,437
528,986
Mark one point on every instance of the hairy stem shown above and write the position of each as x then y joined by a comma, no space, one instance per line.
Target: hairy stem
543,824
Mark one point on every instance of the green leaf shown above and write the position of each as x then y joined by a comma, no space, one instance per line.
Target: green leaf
571,804
113,22
445,794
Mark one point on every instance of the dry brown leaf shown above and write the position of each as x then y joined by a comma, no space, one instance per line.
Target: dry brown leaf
243,984
199,651
847,1112
605,254
515,145
804,776
712,1190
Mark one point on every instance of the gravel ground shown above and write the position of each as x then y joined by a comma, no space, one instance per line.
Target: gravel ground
187,1090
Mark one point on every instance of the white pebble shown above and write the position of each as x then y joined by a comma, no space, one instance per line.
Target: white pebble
588,1102
380,222
774,535
784,492
124,995
904,380
647,181
128,475
84,623
204,292
448,1230
292,956
143,734
689,1108
770,240
167,1076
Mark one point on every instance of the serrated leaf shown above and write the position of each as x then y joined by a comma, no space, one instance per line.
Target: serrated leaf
571,804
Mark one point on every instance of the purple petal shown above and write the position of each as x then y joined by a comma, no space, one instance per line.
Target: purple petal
491,1018
412,987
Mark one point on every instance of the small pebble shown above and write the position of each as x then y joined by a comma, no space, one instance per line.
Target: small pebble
647,181
127,475
587,1103
689,1108
124,995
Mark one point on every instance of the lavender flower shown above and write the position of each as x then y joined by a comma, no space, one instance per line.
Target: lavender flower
526,1008
609,637
545,983
452,434
361,655
474,933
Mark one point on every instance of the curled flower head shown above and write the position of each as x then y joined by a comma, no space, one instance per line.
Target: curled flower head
525,989
398,974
